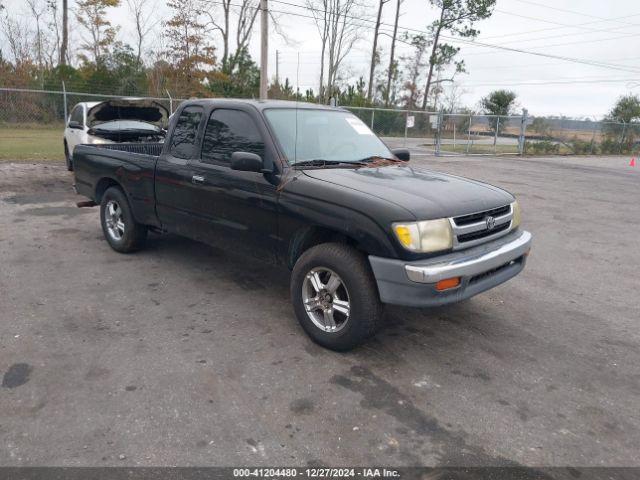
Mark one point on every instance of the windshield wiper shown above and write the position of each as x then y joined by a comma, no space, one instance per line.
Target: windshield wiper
375,158
324,163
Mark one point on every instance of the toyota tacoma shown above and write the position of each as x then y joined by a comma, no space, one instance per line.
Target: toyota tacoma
309,187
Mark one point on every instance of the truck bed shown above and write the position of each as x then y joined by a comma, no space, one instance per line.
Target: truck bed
131,165
153,149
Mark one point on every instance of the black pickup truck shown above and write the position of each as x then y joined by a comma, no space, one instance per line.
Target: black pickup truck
310,187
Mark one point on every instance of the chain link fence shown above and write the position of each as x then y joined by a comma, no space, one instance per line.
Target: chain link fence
480,134
32,121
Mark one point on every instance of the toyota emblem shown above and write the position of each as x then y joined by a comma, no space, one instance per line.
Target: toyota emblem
490,222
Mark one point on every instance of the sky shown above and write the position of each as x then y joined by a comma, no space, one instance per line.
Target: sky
591,31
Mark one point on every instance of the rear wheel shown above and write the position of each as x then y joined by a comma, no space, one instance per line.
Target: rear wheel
119,227
335,296
67,157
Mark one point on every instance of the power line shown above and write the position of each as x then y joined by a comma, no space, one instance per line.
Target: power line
552,22
564,44
557,9
551,82
473,43
558,28
561,36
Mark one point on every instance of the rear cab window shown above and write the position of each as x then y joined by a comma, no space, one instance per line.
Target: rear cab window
183,140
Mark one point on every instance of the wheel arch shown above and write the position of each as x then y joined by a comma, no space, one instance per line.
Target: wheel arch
103,184
310,236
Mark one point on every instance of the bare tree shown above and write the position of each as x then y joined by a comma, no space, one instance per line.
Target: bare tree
414,65
18,39
37,11
53,24
339,31
375,56
144,23
321,18
453,97
392,61
245,19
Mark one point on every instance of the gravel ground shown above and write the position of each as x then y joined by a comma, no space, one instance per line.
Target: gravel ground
186,355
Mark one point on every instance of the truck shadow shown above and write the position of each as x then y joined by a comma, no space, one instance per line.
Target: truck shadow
405,332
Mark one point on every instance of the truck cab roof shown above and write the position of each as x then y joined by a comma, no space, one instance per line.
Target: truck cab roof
259,104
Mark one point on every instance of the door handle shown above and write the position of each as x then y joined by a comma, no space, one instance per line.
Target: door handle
197,179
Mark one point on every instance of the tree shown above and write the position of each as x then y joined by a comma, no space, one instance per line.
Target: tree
456,17
375,56
247,12
339,31
188,47
626,109
92,15
453,98
414,65
243,81
18,40
37,11
393,66
141,11
498,103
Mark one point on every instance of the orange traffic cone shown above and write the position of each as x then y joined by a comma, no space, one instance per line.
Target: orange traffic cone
632,163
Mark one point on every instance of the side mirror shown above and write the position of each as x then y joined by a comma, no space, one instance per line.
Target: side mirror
74,124
402,154
247,162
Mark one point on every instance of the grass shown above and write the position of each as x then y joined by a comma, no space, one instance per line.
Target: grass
28,142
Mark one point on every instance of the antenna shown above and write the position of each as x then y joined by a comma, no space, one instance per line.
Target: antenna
295,143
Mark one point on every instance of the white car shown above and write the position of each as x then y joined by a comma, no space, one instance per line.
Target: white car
114,121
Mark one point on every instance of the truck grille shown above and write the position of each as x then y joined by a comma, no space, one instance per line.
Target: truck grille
491,273
476,228
477,217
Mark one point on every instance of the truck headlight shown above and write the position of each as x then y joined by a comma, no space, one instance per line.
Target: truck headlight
426,236
515,220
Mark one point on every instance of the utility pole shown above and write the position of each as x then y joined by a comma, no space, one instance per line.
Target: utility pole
264,48
277,67
65,33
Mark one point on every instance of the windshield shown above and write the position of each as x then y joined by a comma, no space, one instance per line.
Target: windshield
329,135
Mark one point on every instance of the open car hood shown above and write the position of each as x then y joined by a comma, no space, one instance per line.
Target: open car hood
144,110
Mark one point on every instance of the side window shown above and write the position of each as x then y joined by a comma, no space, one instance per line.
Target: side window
184,135
230,131
76,115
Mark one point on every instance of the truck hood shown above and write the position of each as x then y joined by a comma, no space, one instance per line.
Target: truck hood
426,194
144,110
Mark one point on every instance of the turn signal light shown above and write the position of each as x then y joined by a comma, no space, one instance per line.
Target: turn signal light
447,283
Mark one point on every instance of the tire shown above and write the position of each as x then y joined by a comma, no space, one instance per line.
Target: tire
67,157
120,229
358,288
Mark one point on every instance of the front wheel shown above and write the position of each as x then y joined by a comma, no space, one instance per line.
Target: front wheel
335,297
119,227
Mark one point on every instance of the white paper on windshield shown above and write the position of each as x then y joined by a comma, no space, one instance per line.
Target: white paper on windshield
358,126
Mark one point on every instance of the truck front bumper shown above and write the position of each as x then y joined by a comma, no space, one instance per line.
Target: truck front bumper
479,268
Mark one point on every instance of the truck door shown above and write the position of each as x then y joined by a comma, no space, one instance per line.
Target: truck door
173,179
233,209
